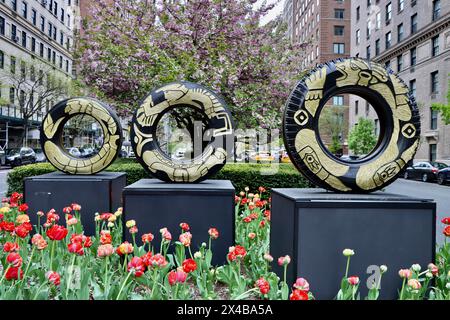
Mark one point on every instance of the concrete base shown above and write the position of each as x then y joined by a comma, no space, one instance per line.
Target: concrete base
155,204
95,193
314,226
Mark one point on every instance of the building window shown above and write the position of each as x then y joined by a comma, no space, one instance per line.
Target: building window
377,47
388,40
378,21
339,14
369,28
401,5
33,44
338,100
413,56
358,36
433,119
432,152
67,66
60,62
14,5
13,33
54,57
2,59
42,24
358,13
50,29
49,54
338,30
41,50
2,26
24,39
356,107
32,73
436,9
368,52
414,23
412,87
34,16
68,21
435,82
388,12
399,63
61,38
23,70
338,48
400,32
12,95
55,8
435,46
62,16
24,10
387,64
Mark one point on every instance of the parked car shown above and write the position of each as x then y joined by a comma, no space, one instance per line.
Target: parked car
20,156
75,152
443,176
262,157
425,171
40,156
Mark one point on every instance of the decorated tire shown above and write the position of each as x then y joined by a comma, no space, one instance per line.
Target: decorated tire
52,136
145,122
399,126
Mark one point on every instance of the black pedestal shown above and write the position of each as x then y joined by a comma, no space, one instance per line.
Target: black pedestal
314,226
101,192
155,204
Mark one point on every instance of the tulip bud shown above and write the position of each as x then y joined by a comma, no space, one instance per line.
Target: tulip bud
198,255
110,224
246,189
416,267
429,275
348,252
383,268
447,286
130,223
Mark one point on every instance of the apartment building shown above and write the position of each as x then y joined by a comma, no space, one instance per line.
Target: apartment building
411,37
32,32
322,27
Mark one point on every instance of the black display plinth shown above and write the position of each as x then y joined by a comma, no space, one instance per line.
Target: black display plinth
155,204
314,226
101,192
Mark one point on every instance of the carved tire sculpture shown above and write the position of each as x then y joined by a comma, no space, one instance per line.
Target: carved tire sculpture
399,126
52,130
147,116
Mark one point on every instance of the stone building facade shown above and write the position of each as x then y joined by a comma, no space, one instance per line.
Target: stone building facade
411,37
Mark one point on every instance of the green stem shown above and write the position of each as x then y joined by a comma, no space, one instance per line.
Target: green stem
29,263
123,285
346,269
106,273
403,288
51,255
245,293
4,274
70,275
190,252
285,273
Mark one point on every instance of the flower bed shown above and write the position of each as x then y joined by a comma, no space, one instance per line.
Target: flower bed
55,260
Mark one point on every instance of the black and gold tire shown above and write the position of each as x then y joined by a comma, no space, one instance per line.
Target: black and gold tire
52,136
160,101
399,126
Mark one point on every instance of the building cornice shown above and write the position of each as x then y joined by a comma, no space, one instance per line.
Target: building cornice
426,33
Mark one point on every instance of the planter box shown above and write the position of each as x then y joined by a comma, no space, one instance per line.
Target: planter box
314,226
95,193
155,204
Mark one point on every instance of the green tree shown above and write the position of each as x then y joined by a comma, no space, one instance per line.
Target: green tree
362,138
444,109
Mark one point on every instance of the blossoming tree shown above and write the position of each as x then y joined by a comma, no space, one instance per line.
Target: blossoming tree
130,47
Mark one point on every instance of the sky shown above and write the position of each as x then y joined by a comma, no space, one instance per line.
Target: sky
274,12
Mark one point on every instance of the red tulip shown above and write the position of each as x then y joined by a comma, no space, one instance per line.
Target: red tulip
157,260
446,231
136,267
185,239
13,274
299,295
213,233
57,232
353,280
124,248
23,207
53,277
189,265
263,285
147,238
178,276
10,247
105,237
14,259
446,220
184,226
76,247
146,259
7,226
23,230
